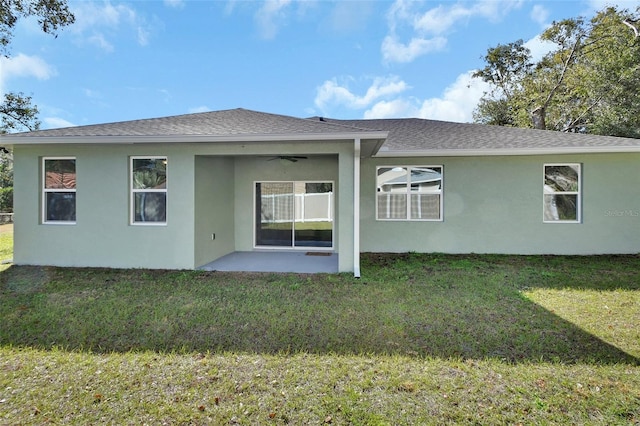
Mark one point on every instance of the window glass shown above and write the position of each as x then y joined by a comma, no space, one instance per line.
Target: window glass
149,190
59,190
149,173
561,193
294,214
60,173
409,193
150,207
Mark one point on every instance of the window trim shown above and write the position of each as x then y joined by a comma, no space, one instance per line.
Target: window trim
408,218
46,190
133,191
577,193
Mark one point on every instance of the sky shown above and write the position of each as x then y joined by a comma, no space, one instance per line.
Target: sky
127,60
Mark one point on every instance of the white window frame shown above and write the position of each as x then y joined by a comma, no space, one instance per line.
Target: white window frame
46,190
133,191
577,193
440,193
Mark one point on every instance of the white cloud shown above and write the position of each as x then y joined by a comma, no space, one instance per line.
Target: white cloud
92,94
143,36
395,51
540,14
539,47
426,30
24,66
456,103
202,108
597,5
332,93
100,41
98,23
396,108
56,123
270,16
175,4
384,99
440,19
349,16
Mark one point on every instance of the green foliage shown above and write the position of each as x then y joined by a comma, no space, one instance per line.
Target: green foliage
149,173
589,82
6,200
18,114
16,110
6,182
51,15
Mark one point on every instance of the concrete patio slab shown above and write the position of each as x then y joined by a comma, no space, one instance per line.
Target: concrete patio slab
268,261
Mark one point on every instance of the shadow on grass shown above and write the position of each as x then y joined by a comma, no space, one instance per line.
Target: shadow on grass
417,305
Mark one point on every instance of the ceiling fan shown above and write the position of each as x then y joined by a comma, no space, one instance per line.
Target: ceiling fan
292,158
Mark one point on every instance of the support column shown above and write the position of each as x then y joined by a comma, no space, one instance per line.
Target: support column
356,208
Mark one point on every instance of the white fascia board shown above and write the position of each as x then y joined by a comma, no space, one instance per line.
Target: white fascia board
288,137
507,151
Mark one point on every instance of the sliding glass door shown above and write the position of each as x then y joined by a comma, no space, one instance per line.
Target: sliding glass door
294,214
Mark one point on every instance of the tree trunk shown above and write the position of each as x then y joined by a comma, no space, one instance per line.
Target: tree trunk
538,118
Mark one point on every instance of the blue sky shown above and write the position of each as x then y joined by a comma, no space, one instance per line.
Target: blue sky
125,60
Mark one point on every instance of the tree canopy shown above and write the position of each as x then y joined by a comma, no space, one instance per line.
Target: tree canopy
16,111
588,83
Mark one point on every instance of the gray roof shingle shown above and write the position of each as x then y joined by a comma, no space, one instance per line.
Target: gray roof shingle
415,134
232,122
405,135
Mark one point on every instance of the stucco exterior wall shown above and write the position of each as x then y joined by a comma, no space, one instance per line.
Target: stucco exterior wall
209,190
495,205
214,208
102,235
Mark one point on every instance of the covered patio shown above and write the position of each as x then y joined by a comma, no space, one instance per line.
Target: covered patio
311,262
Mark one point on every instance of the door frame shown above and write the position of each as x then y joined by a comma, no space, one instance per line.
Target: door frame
293,246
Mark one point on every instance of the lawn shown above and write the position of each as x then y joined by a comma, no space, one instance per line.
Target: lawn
6,242
419,339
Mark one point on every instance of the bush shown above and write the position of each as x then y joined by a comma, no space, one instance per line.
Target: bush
6,200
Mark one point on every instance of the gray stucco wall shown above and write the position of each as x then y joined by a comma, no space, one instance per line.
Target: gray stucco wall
214,208
494,205
102,235
210,190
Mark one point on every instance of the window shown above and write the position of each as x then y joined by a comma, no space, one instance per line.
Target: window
294,214
59,190
149,190
409,193
561,192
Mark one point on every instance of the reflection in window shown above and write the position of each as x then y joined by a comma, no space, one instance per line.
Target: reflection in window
294,214
409,193
59,190
561,192
149,190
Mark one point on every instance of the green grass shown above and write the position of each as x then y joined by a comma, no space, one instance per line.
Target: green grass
419,339
6,245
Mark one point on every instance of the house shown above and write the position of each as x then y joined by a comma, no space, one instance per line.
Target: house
180,192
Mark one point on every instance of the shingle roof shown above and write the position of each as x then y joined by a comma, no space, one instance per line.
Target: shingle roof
232,122
405,135
415,134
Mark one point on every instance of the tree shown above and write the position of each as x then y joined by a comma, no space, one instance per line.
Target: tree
16,111
51,14
588,83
